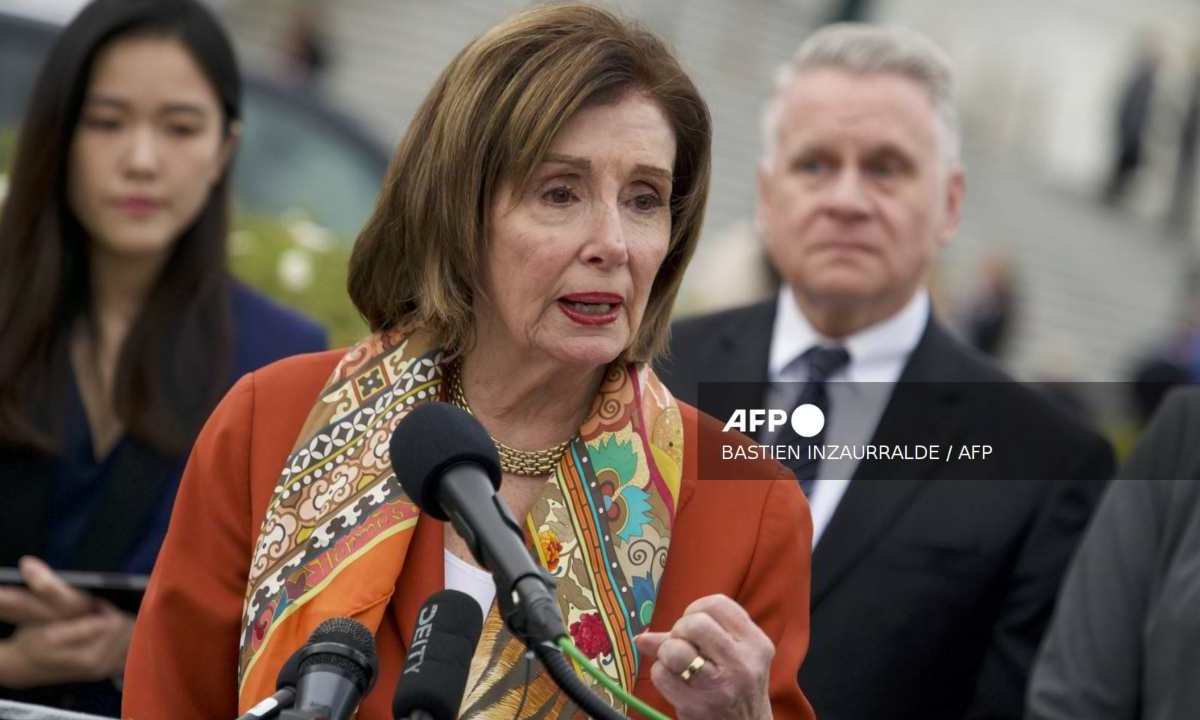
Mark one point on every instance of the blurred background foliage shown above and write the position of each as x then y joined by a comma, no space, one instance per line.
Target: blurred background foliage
301,265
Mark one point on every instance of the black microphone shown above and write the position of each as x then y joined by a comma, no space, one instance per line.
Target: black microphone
439,658
285,691
448,465
334,670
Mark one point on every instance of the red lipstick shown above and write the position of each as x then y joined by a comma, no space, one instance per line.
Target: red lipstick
591,308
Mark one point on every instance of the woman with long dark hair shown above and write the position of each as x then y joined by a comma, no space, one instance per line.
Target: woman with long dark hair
121,324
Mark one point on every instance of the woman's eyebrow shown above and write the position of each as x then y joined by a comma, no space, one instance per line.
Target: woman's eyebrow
584,164
117,103
96,99
655,171
182,107
571,160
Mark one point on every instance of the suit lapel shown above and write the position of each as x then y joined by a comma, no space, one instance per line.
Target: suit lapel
738,358
922,410
744,344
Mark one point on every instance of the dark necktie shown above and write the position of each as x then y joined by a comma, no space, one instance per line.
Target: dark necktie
819,362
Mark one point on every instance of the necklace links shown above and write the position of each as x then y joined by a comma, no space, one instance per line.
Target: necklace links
526,463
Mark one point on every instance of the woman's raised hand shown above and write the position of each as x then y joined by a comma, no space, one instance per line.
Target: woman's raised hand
714,662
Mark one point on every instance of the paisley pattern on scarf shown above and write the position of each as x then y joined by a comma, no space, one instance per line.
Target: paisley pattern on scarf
338,527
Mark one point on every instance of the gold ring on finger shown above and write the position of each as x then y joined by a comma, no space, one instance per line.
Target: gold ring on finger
693,668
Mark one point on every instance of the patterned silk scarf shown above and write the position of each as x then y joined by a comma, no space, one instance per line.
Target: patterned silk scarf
338,527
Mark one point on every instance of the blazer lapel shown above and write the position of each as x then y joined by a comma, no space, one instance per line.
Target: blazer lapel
736,366
922,410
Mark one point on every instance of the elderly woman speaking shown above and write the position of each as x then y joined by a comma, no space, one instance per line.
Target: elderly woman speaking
521,263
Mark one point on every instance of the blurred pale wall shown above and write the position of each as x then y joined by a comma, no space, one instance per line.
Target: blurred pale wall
1041,78
1038,85
1038,80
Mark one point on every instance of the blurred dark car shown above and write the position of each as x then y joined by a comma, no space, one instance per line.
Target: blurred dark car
296,151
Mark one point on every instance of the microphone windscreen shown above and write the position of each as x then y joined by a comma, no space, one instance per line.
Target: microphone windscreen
348,633
439,656
428,441
345,631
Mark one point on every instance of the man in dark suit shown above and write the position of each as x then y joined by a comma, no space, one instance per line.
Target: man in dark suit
933,578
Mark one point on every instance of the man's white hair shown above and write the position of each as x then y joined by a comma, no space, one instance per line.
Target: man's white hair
864,49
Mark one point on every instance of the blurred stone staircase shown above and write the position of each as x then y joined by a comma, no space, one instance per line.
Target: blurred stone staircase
1097,286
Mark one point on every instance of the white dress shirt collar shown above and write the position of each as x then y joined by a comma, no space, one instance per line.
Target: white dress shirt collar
877,353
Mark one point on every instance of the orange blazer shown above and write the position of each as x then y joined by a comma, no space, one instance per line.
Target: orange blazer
749,539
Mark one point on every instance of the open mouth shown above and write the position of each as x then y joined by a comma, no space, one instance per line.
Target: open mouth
598,309
590,308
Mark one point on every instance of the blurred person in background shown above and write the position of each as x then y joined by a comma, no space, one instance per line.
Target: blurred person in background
991,313
1168,363
305,47
932,580
1132,120
851,10
1182,210
521,263
1153,378
1125,640
122,326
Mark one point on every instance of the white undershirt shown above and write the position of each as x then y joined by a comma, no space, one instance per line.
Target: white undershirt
878,355
465,577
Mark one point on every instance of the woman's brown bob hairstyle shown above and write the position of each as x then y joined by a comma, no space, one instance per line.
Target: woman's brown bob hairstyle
490,118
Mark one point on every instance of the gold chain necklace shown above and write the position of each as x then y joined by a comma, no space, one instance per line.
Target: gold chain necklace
526,463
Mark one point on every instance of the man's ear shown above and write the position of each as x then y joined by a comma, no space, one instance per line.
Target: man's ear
956,188
760,201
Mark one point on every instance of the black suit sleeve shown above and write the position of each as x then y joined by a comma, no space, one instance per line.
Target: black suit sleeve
1029,594
1091,663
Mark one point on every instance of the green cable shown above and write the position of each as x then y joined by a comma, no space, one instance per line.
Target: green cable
568,647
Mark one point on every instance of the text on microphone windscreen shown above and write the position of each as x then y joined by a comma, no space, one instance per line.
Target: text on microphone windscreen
439,656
